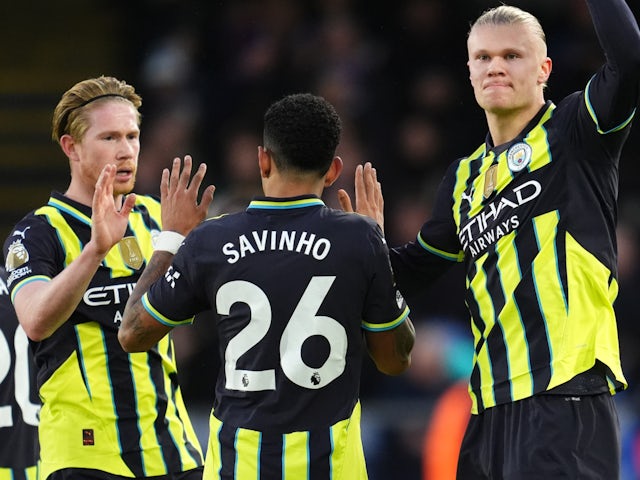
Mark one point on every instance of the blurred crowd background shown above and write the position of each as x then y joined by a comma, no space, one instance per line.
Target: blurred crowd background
396,72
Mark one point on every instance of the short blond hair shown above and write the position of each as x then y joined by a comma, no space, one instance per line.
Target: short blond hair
509,15
70,115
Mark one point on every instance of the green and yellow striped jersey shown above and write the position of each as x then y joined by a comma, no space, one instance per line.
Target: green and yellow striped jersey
102,408
534,222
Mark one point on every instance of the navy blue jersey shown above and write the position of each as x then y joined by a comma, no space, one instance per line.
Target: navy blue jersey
19,403
293,284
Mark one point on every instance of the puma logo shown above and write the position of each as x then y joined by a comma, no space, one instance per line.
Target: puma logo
468,197
22,233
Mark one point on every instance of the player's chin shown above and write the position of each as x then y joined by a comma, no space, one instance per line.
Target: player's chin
123,188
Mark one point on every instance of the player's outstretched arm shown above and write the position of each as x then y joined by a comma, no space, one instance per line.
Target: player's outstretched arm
139,331
181,213
43,306
391,350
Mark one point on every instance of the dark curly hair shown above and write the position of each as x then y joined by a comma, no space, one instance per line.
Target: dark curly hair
302,132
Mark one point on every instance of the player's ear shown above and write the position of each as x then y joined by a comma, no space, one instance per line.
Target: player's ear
545,71
335,169
68,145
264,162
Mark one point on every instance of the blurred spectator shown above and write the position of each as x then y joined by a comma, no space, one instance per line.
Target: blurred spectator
626,309
444,432
239,179
169,134
626,305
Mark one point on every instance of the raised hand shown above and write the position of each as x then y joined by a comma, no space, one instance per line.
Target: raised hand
369,199
108,219
181,211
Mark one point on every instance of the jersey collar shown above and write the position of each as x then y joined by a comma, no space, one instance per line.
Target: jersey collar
272,203
71,207
77,210
530,126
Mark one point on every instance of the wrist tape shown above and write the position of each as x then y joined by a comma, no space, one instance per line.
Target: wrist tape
168,241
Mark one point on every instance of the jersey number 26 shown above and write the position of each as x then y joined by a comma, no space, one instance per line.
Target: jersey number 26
303,324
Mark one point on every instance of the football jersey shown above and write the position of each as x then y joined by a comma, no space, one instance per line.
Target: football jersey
334,453
19,403
534,222
292,284
102,407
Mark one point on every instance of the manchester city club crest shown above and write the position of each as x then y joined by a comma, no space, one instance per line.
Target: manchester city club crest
131,252
518,156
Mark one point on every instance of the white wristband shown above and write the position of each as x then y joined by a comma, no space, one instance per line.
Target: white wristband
168,241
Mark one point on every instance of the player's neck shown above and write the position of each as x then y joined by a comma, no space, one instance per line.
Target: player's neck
83,194
292,189
504,126
79,193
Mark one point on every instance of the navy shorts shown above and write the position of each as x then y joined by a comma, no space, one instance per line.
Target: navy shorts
89,474
543,437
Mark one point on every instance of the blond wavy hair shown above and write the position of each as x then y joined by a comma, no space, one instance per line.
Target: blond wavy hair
71,114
